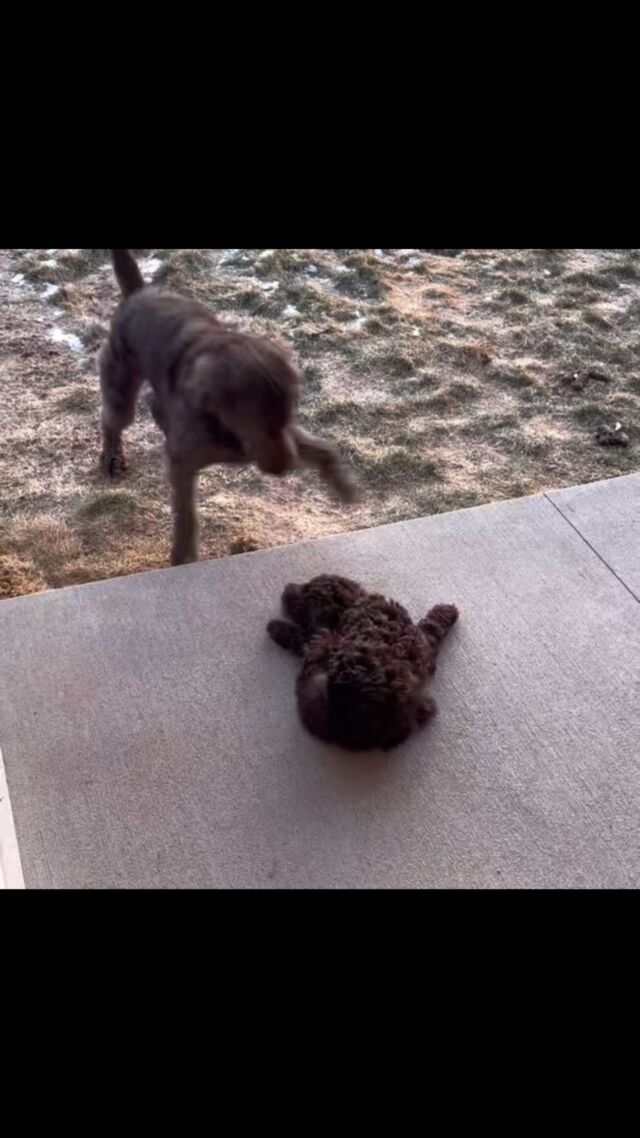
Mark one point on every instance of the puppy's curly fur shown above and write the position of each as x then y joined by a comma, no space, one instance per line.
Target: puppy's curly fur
365,662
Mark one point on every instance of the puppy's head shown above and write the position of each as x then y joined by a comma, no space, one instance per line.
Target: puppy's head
348,700
321,602
258,398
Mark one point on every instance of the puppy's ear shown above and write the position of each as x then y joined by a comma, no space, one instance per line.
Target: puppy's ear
313,696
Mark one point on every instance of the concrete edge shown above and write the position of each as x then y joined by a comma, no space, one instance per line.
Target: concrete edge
34,598
541,495
10,865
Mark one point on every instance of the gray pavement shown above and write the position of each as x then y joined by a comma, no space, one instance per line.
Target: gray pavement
150,737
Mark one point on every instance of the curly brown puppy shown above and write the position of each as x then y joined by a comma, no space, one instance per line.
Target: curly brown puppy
365,662
219,395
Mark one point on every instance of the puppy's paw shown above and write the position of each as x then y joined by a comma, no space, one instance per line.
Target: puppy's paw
285,634
445,615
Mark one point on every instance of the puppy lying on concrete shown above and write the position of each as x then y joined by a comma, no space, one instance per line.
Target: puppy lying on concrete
364,662
219,395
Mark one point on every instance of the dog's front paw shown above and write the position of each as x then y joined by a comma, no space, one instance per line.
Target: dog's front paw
346,487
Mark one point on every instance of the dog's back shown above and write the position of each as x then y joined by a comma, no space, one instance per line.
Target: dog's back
219,395
158,329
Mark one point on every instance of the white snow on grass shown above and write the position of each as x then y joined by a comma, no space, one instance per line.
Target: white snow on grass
358,324
149,266
291,310
49,290
59,336
232,256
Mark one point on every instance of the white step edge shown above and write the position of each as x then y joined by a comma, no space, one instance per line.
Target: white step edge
10,865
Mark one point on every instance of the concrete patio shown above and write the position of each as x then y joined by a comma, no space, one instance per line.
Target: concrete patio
150,738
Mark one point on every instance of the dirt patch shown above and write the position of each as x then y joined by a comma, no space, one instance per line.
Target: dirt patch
448,377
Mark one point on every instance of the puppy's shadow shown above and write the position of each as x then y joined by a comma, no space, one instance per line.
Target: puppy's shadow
360,773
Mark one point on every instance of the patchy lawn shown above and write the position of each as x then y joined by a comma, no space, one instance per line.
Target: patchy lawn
447,377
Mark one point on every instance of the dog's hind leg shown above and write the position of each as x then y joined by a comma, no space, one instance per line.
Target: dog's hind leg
119,385
184,479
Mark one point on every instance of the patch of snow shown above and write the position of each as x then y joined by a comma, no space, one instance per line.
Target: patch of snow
264,254
50,264
311,269
291,310
150,265
50,290
232,255
413,260
58,336
22,284
269,286
50,251
358,324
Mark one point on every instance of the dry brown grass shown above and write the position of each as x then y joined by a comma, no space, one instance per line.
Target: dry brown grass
444,375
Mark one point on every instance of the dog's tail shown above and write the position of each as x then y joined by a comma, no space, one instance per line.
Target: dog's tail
437,623
128,274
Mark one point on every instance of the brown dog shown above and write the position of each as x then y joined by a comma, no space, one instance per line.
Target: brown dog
219,395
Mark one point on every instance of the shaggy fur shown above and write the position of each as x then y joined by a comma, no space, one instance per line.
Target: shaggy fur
365,662
219,395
